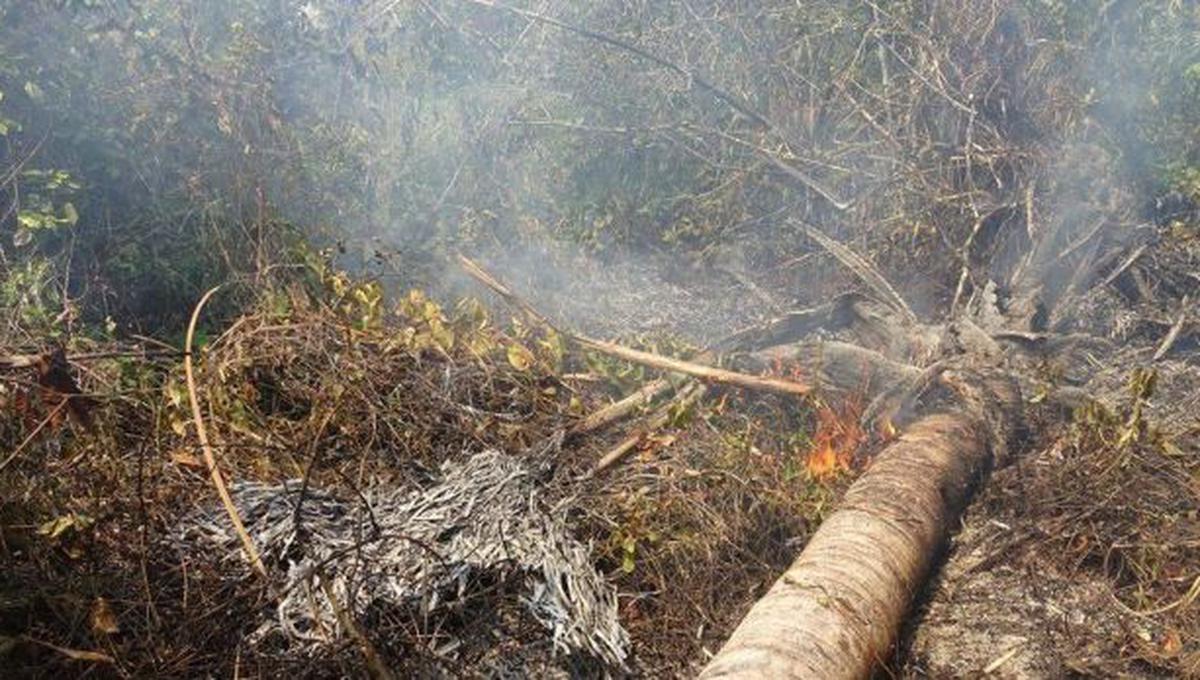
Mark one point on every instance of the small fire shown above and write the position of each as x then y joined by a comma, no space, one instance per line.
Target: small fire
838,432
887,429
823,462
837,438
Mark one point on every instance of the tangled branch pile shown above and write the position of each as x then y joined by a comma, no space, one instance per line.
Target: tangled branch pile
380,412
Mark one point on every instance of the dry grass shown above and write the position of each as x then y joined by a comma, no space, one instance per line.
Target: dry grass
1084,553
339,390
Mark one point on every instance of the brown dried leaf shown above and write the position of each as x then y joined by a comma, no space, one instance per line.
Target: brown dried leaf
186,459
104,621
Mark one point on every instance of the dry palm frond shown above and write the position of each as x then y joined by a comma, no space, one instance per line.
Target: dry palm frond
863,269
417,548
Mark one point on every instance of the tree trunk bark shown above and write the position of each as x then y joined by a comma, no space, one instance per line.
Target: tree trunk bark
837,611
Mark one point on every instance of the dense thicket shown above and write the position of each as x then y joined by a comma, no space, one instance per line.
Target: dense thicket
182,136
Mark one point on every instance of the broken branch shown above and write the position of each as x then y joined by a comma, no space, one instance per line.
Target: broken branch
704,372
687,396
708,373
209,458
865,271
1173,334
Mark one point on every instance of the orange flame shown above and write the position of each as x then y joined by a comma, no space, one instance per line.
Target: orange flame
823,462
837,438
838,432
887,429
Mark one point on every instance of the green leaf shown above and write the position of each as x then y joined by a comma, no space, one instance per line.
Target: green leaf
520,358
444,337
35,93
628,553
60,525
29,219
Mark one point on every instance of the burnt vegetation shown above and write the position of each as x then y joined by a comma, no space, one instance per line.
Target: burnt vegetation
611,306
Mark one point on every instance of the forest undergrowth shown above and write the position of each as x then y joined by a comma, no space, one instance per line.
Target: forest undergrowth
690,179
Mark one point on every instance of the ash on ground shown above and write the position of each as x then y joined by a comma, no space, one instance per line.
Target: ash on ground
416,550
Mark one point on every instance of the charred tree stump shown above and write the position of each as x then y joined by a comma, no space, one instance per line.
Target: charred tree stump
837,611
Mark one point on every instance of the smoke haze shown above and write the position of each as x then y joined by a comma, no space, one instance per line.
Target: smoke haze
405,131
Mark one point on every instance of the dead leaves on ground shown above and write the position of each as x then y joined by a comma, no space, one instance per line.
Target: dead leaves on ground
53,396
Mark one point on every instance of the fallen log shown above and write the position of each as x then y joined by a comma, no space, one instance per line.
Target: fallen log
837,611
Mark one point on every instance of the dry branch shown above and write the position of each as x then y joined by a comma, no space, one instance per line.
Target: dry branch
31,360
375,665
789,326
643,396
708,373
687,396
863,269
209,458
704,372
838,366
34,433
1173,334
1125,265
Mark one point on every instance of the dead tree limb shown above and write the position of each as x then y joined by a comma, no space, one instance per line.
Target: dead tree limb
789,326
837,611
707,373
643,396
687,396
31,360
863,269
210,459
704,372
1125,265
837,366
1173,334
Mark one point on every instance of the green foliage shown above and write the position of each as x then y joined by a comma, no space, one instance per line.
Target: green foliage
178,143
43,204
1119,433
29,298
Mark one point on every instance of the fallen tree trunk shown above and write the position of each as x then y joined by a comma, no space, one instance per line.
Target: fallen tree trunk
837,611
